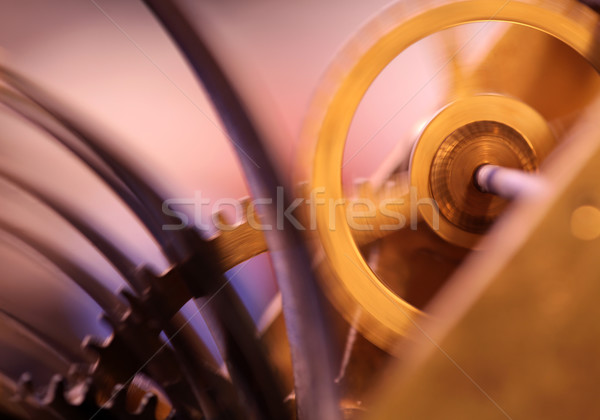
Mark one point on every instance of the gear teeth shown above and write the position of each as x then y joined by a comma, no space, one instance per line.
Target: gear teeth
118,399
113,364
83,393
223,223
24,386
56,390
132,299
25,397
94,343
60,398
133,341
105,320
55,399
79,402
79,371
113,358
147,408
138,313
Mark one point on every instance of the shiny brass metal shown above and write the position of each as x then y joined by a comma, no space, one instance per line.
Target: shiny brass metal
515,333
244,240
458,158
526,302
241,242
350,282
468,133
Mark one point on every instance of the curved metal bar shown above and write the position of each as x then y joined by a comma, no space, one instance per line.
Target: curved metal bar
305,321
49,346
177,246
184,340
91,139
114,307
46,121
121,262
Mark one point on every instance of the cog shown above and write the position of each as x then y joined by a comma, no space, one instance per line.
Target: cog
348,279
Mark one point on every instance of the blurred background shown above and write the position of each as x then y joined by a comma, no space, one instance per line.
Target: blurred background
114,63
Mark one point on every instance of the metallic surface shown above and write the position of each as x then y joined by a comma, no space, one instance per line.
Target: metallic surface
307,329
515,333
492,317
198,272
506,182
459,157
468,133
352,284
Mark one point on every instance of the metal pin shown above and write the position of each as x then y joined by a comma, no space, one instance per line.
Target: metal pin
507,182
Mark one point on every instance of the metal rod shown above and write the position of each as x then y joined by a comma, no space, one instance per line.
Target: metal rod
303,312
507,182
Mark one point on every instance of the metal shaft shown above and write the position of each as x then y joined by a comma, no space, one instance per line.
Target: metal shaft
507,182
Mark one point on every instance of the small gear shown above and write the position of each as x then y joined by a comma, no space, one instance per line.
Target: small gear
60,401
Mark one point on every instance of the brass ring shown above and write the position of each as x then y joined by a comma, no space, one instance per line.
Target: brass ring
492,108
353,286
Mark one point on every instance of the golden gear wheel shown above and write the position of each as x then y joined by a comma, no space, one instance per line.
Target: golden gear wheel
469,133
521,139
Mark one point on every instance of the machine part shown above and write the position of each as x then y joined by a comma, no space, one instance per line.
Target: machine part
188,266
44,117
137,331
506,182
193,259
469,133
415,264
460,156
523,309
306,327
386,316
113,305
241,242
63,402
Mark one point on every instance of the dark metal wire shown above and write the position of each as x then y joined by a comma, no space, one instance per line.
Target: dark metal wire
45,119
177,328
230,325
305,322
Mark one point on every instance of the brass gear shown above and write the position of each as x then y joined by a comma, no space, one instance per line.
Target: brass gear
468,133
348,278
